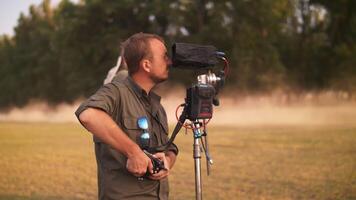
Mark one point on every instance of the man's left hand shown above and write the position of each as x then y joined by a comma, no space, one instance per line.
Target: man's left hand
164,172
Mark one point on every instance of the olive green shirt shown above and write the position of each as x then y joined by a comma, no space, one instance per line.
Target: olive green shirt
125,102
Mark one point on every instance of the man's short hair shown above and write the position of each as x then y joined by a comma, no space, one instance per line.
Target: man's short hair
136,48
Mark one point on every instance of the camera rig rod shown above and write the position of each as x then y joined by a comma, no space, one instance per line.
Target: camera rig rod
196,155
200,135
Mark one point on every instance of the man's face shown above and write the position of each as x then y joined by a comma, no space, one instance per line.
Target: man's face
160,61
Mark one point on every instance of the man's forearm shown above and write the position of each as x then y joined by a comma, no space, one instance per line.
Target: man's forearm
102,126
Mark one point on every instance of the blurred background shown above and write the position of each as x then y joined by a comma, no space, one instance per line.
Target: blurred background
60,51
286,126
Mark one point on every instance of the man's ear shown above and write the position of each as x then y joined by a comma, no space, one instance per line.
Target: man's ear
146,65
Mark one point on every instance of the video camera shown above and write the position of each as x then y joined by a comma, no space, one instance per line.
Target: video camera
201,96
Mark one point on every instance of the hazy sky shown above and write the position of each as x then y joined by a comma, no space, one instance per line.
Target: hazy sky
10,11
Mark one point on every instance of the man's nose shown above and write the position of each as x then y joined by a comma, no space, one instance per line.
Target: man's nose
169,61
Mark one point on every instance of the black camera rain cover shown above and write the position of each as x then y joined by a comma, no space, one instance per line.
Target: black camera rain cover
193,56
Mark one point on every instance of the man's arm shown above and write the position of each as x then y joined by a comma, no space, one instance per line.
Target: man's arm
100,124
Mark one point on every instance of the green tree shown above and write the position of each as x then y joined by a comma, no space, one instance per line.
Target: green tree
341,32
8,82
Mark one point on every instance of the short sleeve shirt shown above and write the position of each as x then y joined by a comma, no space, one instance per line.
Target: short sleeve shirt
125,102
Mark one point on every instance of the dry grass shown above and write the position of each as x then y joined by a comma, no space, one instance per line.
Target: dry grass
46,161
276,163
55,161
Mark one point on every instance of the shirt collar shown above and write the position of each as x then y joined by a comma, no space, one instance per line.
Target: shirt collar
139,91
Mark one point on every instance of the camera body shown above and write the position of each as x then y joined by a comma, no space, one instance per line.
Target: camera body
201,97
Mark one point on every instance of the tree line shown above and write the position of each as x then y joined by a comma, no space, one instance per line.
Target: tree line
61,53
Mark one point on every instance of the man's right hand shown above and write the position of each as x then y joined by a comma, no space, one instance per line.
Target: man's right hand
138,163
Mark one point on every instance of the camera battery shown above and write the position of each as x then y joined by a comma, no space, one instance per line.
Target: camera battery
200,101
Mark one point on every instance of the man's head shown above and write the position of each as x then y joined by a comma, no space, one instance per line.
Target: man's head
147,52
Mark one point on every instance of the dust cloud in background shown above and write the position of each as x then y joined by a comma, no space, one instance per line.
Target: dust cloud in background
310,109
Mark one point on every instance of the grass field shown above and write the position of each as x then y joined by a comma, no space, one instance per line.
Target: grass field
55,161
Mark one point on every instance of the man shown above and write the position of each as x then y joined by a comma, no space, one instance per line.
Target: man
111,116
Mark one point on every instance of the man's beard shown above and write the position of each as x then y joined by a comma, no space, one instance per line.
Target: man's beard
157,79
